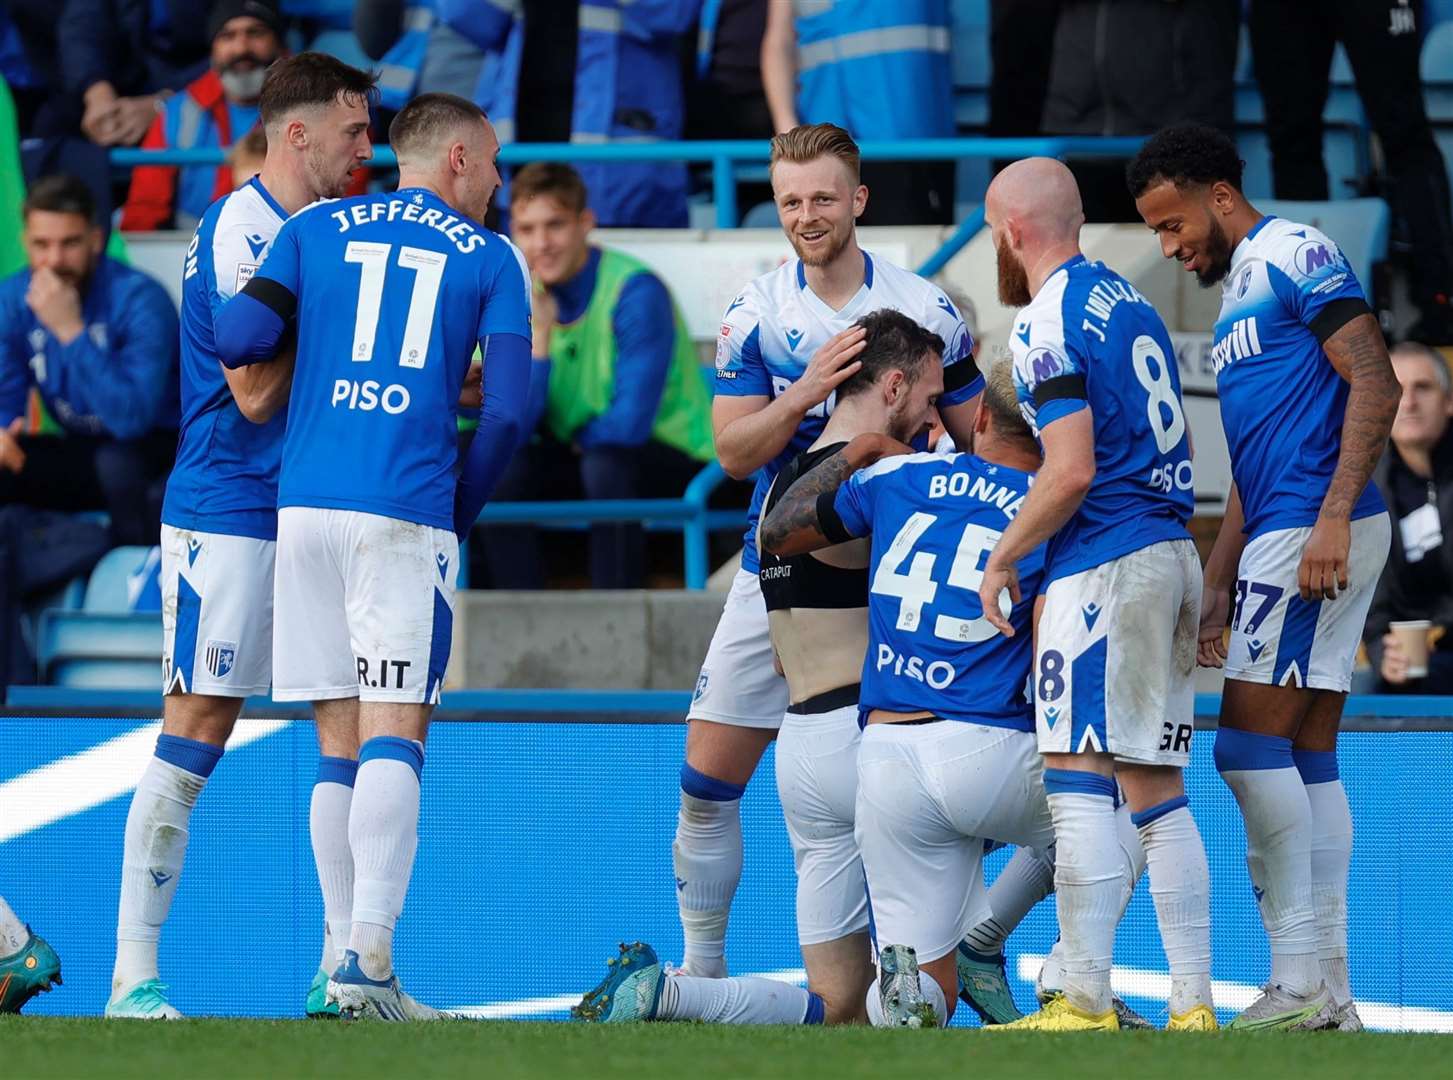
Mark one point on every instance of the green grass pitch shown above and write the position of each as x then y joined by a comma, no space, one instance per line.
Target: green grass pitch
45,1047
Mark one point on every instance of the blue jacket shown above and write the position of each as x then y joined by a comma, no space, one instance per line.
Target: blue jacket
117,378
881,70
627,88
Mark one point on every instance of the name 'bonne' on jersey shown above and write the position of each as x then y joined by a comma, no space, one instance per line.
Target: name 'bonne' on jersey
934,521
393,292
226,474
1089,339
1282,401
770,332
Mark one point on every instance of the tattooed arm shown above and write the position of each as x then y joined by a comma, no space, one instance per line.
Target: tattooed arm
1359,354
794,525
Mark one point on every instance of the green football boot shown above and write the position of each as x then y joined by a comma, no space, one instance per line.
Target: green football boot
319,1007
33,970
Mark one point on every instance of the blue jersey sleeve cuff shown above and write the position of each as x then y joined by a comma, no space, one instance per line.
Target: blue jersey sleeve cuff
967,392
1058,409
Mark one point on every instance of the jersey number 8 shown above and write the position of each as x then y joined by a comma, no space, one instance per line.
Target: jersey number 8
917,587
1163,396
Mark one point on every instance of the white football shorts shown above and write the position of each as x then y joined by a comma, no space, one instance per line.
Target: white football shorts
1280,639
817,782
216,613
364,607
1115,660
929,796
739,684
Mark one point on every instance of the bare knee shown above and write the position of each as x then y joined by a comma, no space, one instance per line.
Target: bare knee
1149,785
200,717
391,718
337,722
725,751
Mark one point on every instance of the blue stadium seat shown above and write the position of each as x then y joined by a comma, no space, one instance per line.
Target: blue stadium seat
107,674
116,578
1343,150
1359,226
1436,11
84,645
1436,66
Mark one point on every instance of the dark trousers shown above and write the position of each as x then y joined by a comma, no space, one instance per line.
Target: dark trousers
549,470
124,477
909,193
1292,43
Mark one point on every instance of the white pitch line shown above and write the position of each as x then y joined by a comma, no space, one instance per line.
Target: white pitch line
1155,985
543,1006
77,782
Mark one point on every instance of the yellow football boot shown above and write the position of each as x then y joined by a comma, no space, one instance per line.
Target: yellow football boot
1199,1018
1059,1015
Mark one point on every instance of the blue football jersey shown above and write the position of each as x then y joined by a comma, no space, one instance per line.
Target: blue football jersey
934,520
226,473
770,331
393,292
1282,401
1089,339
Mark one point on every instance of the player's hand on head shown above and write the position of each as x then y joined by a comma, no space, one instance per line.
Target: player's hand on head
1211,639
1322,573
997,578
832,365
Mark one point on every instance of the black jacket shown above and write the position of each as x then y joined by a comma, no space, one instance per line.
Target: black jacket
112,41
1129,67
1392,601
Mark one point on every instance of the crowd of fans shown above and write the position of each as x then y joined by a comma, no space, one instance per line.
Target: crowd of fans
623,410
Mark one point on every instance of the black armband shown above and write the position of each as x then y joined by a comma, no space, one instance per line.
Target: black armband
275,296
1336,315
829,521
957,376
1061,386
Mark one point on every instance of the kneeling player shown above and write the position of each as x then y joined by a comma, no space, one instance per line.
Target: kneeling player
817,610
948,757
28,965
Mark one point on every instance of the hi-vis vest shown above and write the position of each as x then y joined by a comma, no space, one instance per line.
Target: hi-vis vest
583,361
881,70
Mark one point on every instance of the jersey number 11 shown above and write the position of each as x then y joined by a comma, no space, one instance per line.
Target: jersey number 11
428,267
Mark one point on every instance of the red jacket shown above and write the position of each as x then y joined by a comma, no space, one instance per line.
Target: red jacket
151,201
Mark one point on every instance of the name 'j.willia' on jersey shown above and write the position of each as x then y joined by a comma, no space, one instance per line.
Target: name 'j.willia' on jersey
1090,338
934,521
389,312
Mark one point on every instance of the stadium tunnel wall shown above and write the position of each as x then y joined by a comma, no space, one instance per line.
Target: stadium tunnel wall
544,843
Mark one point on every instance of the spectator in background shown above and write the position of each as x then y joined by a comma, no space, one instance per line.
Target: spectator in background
246,157
560,71
30,63
880,70
210,113
627,413
416,53
726,100
1021,38
1415,477
1130,67
98,340
123,58
1291,46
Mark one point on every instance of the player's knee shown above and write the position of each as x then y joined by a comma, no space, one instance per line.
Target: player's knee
706,799
200,717
1241,751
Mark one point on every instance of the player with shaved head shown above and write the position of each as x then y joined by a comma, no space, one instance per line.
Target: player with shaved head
1115,651
390,295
